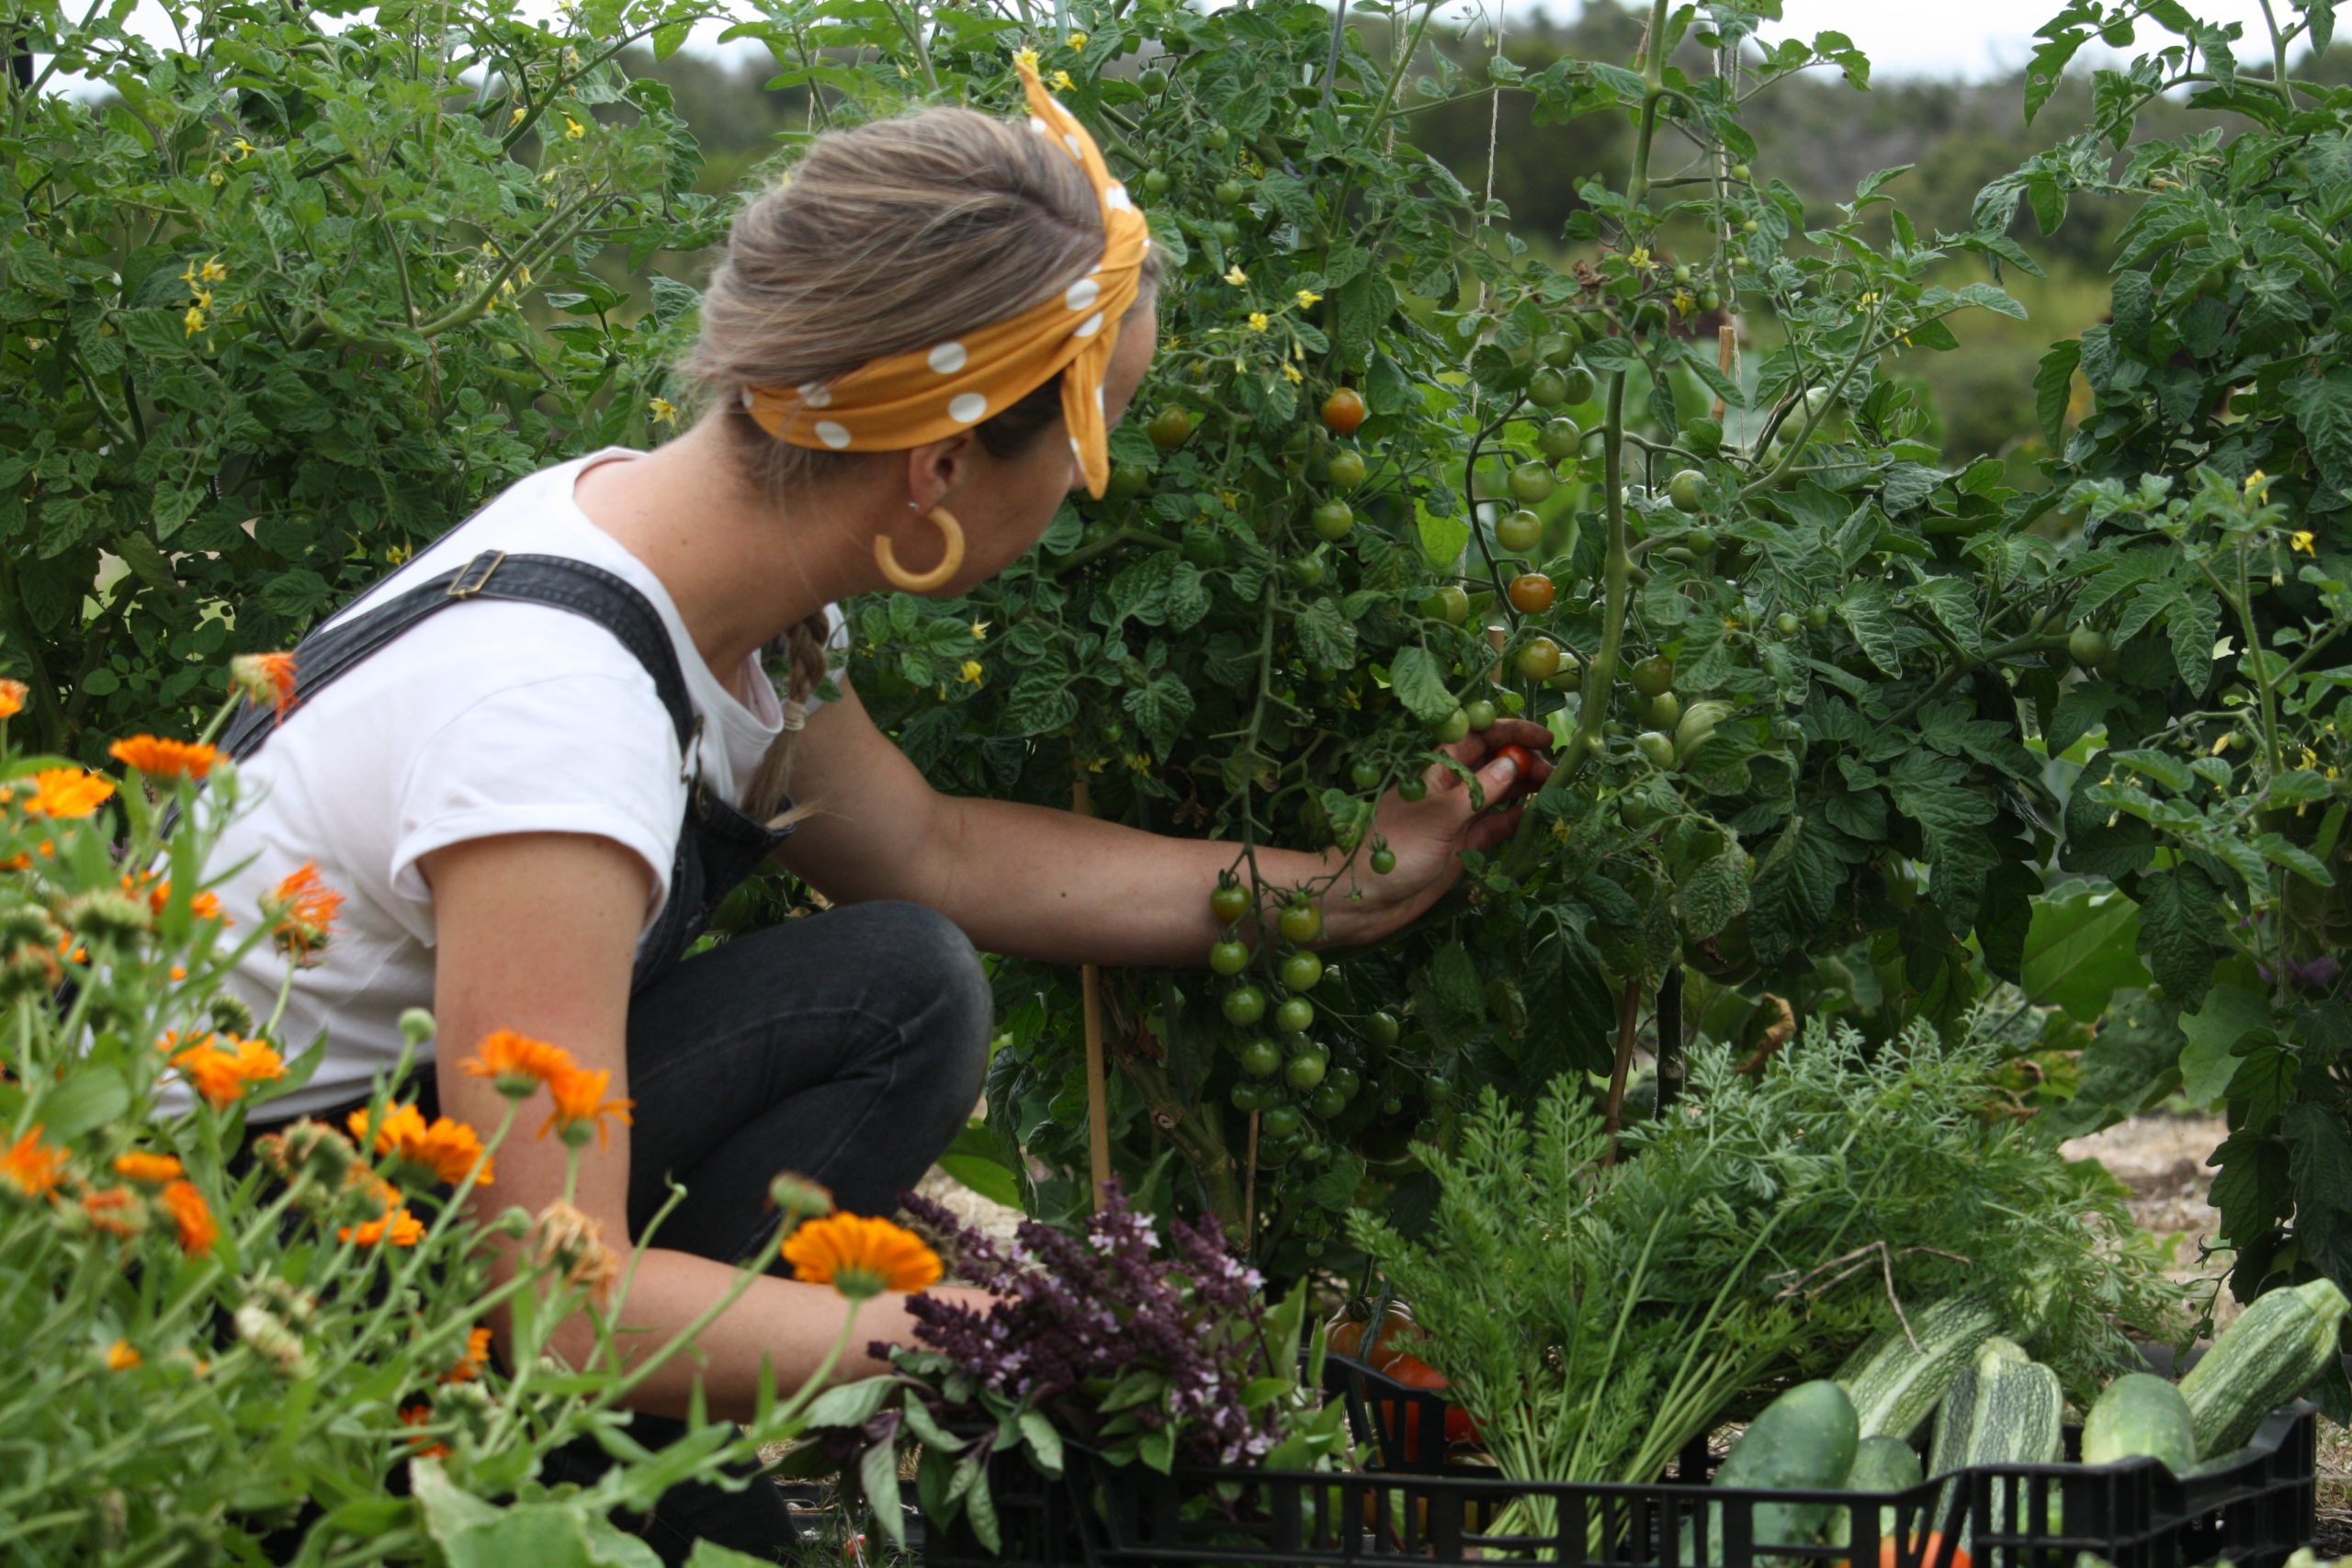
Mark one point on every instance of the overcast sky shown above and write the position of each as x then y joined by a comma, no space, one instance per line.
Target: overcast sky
1971,39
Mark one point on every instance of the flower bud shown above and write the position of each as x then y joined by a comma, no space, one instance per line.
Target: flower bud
417,1027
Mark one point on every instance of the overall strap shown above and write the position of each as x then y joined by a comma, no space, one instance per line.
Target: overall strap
558,580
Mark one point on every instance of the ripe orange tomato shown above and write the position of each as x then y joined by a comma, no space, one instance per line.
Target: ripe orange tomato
1890,1554
1530,594
1414,1372
1347,1338
1343,411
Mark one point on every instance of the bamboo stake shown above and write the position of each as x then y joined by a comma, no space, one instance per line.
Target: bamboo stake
1098,1104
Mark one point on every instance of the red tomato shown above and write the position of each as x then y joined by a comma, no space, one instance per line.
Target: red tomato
1343,411
1414,1372
1521,756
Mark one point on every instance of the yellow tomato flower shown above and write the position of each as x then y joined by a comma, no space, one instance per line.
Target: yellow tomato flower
1684,301
1077,41
2223,743
194,319
213,272
2256,481
979,631
2302,540
1062,80
217,177
1026,57
1638,258
662,410
1291,374
1306,298
1235,275
1258,322
971,673
514,119
572,129
242,149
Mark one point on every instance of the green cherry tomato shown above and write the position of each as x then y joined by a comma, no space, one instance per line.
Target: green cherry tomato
1153,80
1365,776
2088,645
1532,484
1230,192
1580,384
1436,1088
1326,1103
1682,272
1262,1058
1456,725
1219,137
1347,1080
1247,1096
1347,470
1384,860
1518,532
1547,388
1279,1122
1229,958
1244,1005
1538,659
1204,546
1300,921
1295,1015
1155,182
1301,971
1170,427
1303,1073
1447,604
1412,789
1817,617
1741,173
1700,540
1653,675
1663,711
1228,233
1569,677
1382,1028
1305,570
1786,624
1560,439
1481,713
1127,481
1230,902
1687,490
1657,748
1334,520
1711,299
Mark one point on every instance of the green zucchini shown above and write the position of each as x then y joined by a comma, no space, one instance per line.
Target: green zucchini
2006,1409
1894,1387
1880,1464
2141,1414
2281,1342
1805,1440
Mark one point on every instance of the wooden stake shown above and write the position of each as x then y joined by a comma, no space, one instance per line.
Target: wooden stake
1098,1102
1726,352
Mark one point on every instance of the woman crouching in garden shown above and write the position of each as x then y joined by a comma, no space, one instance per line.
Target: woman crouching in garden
535,758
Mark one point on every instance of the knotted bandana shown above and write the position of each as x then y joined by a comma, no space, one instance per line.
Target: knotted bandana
928,394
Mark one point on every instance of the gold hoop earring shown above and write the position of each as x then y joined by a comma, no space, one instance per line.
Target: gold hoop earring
906,581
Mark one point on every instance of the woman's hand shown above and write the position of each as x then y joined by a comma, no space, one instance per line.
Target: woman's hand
1428,836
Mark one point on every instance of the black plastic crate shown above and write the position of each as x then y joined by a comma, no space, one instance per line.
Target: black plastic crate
2256,1510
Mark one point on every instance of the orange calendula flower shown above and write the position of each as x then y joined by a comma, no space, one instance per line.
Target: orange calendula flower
32,1167
265,678
192,1215
152,1170
11,698
114,1209
581,1106
301,911
222,1073
68,792
420,1414
122,1357
397,1226
520,1063
861,1256
444,1149
161,759
158,895
475,1357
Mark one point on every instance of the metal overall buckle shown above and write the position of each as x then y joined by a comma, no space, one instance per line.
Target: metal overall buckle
474,576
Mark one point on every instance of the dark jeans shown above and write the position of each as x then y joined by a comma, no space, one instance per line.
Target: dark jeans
847,1048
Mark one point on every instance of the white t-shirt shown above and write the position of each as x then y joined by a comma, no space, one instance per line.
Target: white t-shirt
488,717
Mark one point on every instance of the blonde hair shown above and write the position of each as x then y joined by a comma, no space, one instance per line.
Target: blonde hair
884,237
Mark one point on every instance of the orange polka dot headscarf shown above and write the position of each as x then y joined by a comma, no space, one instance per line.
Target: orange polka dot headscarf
929,393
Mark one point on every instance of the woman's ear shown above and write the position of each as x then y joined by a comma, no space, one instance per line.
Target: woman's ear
939,469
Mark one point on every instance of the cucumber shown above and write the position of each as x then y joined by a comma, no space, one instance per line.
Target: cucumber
2141,1414
1880,1464
1894,1387
1806,1439
2269,1355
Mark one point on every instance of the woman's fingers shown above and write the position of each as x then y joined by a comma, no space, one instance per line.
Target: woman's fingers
1476,752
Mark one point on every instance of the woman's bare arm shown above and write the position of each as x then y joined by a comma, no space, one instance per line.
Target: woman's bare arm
1036,883
536,934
